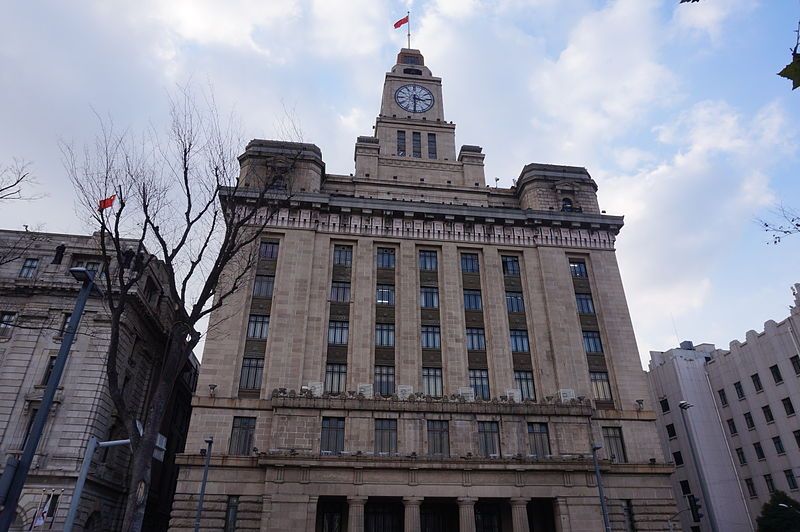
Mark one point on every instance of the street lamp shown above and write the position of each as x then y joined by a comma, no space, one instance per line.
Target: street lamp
684,406
16,471
207,454
606,523
787,507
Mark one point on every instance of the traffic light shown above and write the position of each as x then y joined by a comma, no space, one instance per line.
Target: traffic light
695,507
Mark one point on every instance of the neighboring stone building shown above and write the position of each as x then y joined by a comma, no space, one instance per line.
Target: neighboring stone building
418,351
743,422
37,295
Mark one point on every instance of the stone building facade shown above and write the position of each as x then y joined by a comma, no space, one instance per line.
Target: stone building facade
418,351
37,295
743,422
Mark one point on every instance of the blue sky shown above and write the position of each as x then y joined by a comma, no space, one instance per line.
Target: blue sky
675,110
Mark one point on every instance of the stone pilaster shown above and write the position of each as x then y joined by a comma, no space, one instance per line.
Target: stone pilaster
466,514
412,523
519,515
311,518
355,514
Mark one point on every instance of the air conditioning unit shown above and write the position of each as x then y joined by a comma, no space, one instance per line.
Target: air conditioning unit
467,393
365,390
566,394
515,394
317,388
404,391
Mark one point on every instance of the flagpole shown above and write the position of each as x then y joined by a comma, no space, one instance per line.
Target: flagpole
408,14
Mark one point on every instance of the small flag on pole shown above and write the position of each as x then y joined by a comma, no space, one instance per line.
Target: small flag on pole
400,22
108,202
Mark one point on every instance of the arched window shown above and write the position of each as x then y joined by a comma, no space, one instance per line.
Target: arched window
566,205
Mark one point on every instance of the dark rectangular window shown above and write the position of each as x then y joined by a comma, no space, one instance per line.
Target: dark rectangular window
788,406
592,342
510,265
776,374
615,446
664,403
770,484
489,439
340,292
386,258
428,261
51,362
401,143
384,380
338,332
539,440
264,286
748,420
723,397
756,382
523,380
268,250
479,382
797,438
472,300
514,302
431,337
519,341
416,144
343,255
242,434
778,443
739,390
29,268
601,388
671,431
386,436
438,438
335,378
795,360
677,457
64,324
432,381
585,303
31,419
252,373
791,480
751,487
384,295
759,451
732,427
685,489
258,327
476,339
577,268
332,440
469,263
429,297
431,145
741,456
768,414
231,511
384,335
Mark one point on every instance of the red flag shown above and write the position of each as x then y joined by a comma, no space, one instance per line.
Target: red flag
108,202
400,22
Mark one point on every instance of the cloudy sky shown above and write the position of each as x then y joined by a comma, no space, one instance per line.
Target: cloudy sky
675,110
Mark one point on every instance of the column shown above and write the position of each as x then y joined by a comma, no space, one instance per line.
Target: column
519,514
355,514
412,523
466,514
311,518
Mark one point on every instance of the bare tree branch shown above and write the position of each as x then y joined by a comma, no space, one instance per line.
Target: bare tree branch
785,221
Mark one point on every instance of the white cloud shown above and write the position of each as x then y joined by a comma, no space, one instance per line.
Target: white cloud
708,17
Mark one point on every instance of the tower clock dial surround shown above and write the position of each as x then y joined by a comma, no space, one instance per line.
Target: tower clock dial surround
414,98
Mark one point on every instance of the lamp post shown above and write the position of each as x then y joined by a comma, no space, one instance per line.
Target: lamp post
606,523
684,406
207,453
17,470
787,507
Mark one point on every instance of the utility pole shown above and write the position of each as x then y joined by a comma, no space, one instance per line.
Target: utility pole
606,523
684,406
17,470
210,443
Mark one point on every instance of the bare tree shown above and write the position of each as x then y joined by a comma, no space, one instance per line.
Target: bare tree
176,198
785,222
13,177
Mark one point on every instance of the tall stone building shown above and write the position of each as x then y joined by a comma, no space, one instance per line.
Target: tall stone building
37,296
418,351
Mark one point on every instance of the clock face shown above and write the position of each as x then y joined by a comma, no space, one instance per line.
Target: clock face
414,98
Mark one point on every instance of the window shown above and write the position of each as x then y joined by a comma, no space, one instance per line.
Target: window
385,436
768,414
268,250
231,509
264,286
797,437
615,447
685,489
795,360
31,419
429,297
739,390
488,439
591,342
577,268
748,420
384,335
791,480
677,457
252,372
469,263
479,381
338,332
519,341
386,258
432,381
438,438
401,143
476,339
514,302
740,455
788,406
759,451
778,443
242,433
664,405
343,255
258,327
566,205
431,337
335,378
6,324
428,261
29,268
384,380
523,380
431,145
751,487
776,374
332,440
51,362
340,292
756,382
671,431
472,300
732,427
416,144
64,324
539,440
601,388
585,303
770,484
510,265
384,295
723,397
